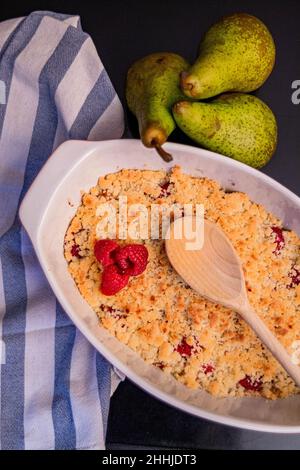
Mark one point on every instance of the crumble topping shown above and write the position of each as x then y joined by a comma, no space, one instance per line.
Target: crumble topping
203,345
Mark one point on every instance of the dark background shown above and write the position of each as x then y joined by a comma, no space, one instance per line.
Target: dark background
124,31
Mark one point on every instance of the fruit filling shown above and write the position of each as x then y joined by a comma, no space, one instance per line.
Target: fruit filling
251,384
184,349
295,277
279,239
75,251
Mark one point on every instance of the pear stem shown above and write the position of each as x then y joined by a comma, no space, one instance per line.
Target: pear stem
167,157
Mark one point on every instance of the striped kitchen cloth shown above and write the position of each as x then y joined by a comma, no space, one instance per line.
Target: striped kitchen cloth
54,387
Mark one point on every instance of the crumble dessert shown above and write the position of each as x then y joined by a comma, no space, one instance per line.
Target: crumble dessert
202,344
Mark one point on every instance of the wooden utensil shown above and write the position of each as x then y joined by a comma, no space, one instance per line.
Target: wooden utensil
215,272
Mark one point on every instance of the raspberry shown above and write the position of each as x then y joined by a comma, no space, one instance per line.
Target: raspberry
112,280
114,313
103,251
131,259
165,189
295,276
75,251
207,368
251,384
279,239
119,264
184,349
107,308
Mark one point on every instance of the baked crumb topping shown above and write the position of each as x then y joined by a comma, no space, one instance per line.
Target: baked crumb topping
203,345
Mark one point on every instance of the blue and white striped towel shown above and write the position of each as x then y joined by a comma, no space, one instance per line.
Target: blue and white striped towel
54,387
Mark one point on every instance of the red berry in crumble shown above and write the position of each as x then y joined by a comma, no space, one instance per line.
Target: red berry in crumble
112,280
119,264
103,251
114,313
184,349
295,276
165,189
107,308
279,239
249,383
160,365
208,369
75,251
132,259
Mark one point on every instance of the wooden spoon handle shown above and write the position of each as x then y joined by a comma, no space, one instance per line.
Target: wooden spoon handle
271,342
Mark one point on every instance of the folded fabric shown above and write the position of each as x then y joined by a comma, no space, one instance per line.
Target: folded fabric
54,387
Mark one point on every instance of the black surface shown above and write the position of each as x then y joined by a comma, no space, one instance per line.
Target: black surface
124,31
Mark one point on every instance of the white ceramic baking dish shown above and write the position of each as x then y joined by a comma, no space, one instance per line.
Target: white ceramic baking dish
51,203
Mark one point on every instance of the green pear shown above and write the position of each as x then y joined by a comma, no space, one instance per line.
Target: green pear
236,54
234,124
153,86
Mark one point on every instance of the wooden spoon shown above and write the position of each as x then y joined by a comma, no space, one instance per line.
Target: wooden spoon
215,272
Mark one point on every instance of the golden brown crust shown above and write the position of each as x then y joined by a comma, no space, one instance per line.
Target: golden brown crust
157,312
